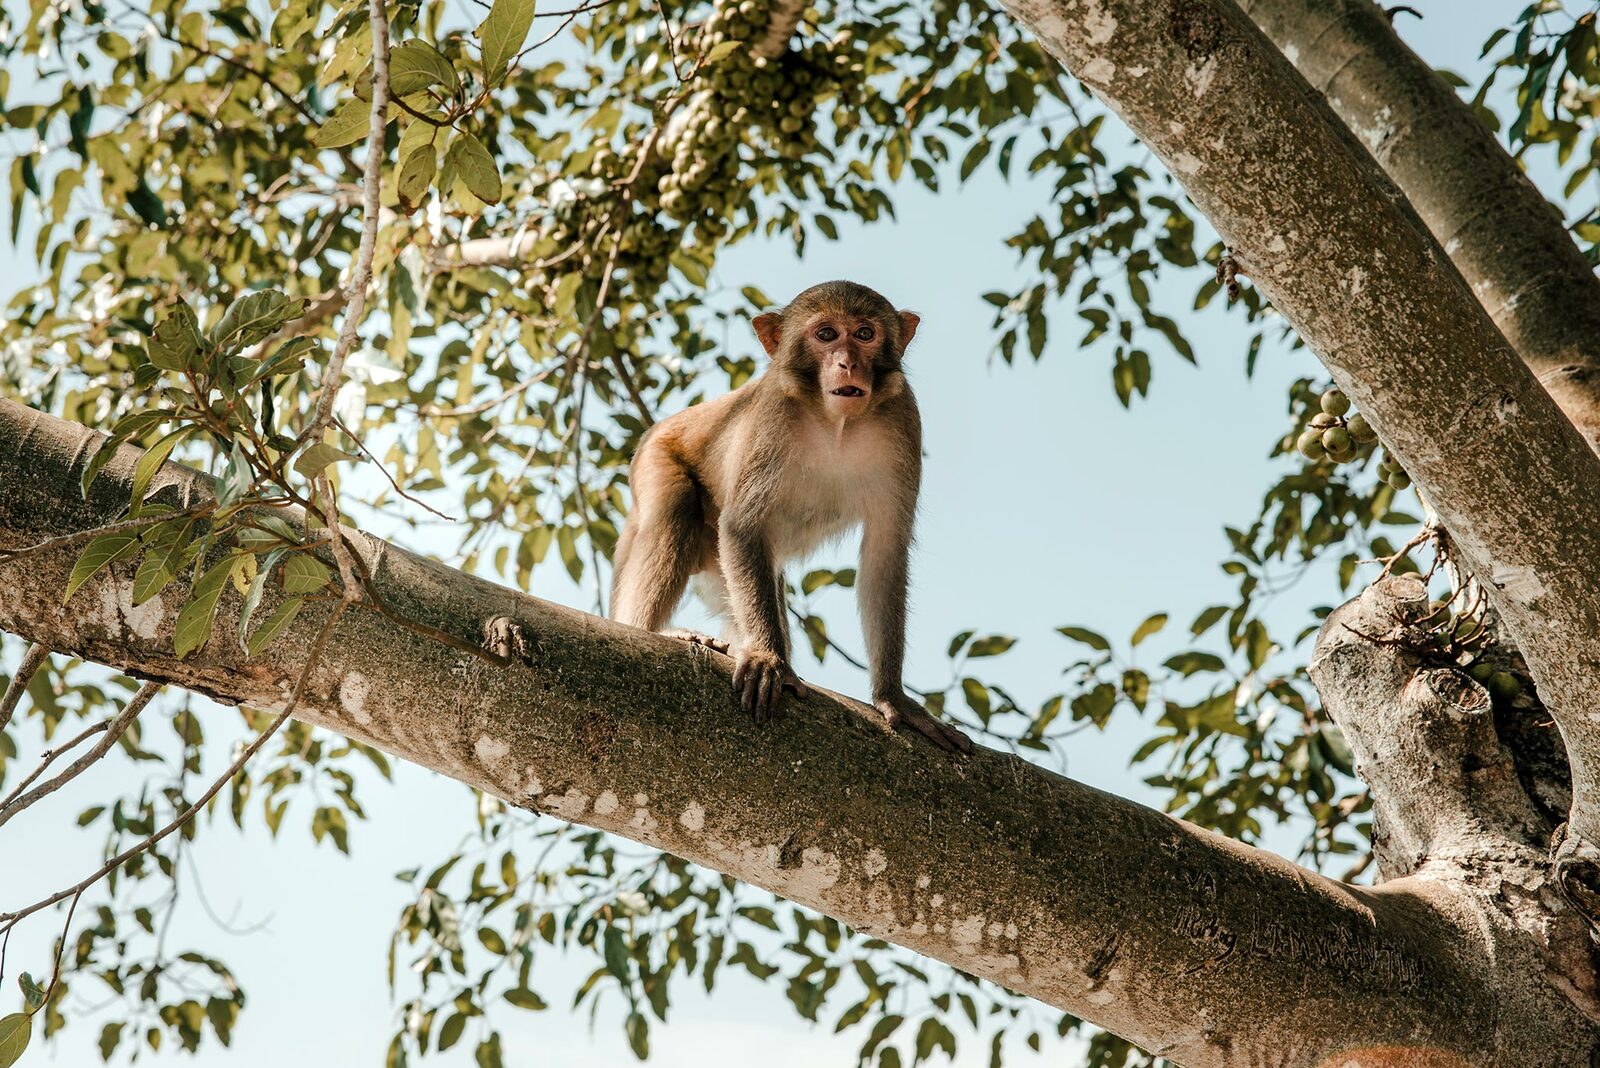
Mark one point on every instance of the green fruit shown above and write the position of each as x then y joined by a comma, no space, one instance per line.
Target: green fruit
791,124
1334,402
1481,670
1504,685
1310,445
1399,480
1360,429
1336,439
1322,421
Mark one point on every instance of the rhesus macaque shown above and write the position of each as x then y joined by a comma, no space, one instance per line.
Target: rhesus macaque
727,492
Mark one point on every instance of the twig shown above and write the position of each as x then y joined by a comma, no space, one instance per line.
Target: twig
36,655
114,731
9,920
48,757
371,188
379,464
63,540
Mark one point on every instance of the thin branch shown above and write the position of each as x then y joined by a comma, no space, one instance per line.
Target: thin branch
9,920
49,756
371,205
61,541
114,731
379,464
36,655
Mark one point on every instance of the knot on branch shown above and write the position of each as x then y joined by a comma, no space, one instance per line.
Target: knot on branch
1422,731
1576,865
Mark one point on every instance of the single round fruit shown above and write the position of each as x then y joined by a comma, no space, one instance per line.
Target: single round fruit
1399,480
1360,429
1322,421
1310,445
1504,685
1334,402
1336,439
1481,670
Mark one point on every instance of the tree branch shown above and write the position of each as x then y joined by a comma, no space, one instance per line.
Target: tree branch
1333,245
1508,242
113,731
371,204
36,655
1200,948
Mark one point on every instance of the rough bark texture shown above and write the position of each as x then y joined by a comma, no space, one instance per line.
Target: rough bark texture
1195,946
1508,242
1335,247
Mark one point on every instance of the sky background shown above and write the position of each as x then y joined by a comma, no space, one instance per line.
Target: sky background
1044,503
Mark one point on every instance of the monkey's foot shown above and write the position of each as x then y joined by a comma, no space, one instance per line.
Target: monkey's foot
504,636
759,678
694,637
902,711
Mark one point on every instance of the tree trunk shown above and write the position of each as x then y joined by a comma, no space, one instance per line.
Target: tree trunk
1197,947
1508,242
1341,254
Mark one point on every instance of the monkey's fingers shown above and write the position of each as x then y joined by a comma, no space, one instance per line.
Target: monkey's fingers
940,733
694,637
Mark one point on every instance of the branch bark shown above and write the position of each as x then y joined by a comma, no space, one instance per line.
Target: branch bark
1341,255
1507,240
1197,947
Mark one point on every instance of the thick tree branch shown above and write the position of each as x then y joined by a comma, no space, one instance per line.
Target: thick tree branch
1195,946
1334,246
1509,243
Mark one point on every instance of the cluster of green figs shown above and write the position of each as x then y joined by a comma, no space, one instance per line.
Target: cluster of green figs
1338,434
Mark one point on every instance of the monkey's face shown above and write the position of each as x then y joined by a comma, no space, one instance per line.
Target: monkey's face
839,346
851,356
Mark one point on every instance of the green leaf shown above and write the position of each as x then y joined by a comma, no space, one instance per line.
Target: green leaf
236,478
450,1033
32,992
160,564
616,953
193,628
692,269
254,317
722,51
346,126
110,1035
252,597
638,1029
416,65
1148,627
312,462
274,625
304,573
1086,636
102,551
502,35
523,998
416,175
176,340
475,165
15,1030
993,645
145,470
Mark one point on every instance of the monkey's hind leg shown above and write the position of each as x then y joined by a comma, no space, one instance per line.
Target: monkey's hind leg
661,546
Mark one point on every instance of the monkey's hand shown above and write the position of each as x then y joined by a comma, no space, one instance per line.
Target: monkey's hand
759,677
899,710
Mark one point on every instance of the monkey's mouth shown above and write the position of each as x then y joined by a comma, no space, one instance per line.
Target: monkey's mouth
848,391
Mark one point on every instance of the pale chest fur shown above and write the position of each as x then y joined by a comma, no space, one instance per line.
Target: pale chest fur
829,490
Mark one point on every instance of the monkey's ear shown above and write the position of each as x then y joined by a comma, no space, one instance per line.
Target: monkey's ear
909,322
769,328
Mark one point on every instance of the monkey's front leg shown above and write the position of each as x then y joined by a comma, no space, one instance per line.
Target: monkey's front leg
761,670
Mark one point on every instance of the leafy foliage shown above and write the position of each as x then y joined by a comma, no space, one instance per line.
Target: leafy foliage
542,292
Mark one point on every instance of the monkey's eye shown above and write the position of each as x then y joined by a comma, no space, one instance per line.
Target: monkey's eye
827,333
865,333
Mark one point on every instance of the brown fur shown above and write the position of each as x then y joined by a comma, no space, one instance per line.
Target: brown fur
729,491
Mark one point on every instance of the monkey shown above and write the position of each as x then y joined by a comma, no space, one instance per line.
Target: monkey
828,438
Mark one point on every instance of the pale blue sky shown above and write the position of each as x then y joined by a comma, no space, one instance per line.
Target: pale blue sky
1045,503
